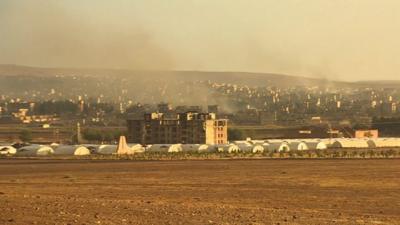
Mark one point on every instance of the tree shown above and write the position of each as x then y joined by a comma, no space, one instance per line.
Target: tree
107,136
25,136
359,126
55,107
387,126
91,135
102,135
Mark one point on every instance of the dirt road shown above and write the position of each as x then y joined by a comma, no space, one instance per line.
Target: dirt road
200,192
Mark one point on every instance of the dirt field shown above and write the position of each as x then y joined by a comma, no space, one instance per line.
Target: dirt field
200,192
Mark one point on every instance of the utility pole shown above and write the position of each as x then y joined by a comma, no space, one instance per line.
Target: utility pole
78,133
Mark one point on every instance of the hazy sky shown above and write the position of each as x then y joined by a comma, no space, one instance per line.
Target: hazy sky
337,39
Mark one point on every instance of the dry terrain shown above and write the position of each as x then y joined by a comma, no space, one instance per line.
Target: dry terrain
200,192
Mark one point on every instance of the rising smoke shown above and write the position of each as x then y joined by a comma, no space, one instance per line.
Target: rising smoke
45,33
349,40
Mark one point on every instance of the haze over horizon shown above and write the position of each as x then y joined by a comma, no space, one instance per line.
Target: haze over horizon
338,40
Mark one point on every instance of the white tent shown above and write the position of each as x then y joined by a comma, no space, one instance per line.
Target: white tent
229,148
254,148
329,141
316,145
266,147
350,143
35,150
7,150
279,146
190,147
92,147
164,148
157,148
249,141
71,150
113,149
298,145
175,148
106,149
135,148
258,148
198,148
259,142
54,145
384,143
275,141
245,147
207,148
241,142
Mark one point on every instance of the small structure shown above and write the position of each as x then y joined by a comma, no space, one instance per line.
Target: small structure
35,150
123,147
366,134
71,150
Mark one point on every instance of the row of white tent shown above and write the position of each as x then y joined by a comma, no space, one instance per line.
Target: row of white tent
44,150
254,146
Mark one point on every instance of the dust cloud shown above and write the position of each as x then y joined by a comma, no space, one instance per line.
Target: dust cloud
345,40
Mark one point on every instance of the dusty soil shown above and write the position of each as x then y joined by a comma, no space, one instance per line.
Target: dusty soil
200,192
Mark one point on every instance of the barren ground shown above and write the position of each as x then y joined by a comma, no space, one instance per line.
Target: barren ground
200,192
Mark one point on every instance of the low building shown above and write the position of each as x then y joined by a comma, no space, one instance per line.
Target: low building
185,128
366,134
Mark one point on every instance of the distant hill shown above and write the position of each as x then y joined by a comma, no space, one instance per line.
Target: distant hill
380,83
243,78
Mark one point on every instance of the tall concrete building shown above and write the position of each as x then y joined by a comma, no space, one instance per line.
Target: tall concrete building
185,128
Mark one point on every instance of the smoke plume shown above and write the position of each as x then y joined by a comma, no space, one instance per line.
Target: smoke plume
45,33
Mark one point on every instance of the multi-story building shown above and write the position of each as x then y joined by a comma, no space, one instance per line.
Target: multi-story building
185,128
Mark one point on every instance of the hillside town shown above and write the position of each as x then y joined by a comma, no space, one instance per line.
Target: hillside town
46,106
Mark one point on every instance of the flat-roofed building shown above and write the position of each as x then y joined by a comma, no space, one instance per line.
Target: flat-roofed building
366,134
185,128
